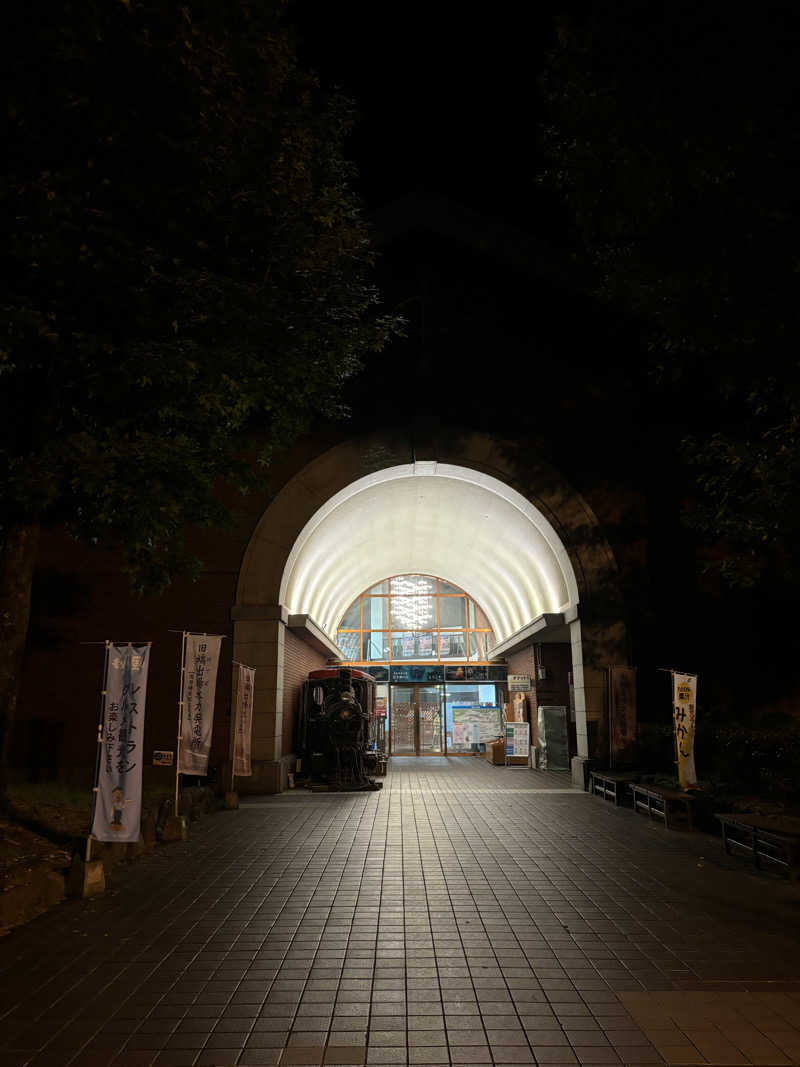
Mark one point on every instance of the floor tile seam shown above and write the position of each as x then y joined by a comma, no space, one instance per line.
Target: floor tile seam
272,981
472,983
70,1022
341,973
177,918
67,964
78,906
508,990
522,873
403,821
216,970
732,1039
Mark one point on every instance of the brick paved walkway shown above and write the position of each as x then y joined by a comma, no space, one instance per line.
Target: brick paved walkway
466,914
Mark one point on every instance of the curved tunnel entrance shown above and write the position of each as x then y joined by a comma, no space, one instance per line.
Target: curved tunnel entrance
332,546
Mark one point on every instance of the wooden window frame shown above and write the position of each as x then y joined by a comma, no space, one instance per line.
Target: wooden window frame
436,631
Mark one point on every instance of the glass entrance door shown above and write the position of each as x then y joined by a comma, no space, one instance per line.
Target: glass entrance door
403,728
429,716
416,720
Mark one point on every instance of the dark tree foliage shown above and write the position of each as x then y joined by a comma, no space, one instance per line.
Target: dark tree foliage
186,273
673,137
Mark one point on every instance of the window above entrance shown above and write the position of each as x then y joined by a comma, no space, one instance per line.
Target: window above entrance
414,618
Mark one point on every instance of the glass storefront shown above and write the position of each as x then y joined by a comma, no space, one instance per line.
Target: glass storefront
459,700
454,718
426,644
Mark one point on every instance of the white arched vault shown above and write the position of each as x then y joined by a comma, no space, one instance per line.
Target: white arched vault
521,541
434,518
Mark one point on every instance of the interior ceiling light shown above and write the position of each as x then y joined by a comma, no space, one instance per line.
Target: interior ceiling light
514,565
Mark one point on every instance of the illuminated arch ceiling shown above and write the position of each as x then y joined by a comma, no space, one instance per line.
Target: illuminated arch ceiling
431,518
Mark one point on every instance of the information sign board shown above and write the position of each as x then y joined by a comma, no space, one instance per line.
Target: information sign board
517,739
519,683
484,722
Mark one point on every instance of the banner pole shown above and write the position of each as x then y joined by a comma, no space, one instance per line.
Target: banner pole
235,727
180,718
672,717
98,752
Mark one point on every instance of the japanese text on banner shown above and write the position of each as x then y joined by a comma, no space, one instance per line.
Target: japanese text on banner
199,686
118,805
684,714
244,721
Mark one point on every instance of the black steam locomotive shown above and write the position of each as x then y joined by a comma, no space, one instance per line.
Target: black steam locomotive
338,731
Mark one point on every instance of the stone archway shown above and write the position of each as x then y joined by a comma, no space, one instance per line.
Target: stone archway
272,602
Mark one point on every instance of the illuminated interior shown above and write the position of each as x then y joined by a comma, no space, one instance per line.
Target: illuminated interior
414,617
430,519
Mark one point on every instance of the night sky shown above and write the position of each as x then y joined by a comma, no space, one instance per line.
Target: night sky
449,135
449,102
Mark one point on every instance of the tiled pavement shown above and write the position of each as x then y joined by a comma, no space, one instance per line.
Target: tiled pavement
465,914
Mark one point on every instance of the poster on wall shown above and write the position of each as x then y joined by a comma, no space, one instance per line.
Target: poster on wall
118,800
200,662
519,683
684,715
462,734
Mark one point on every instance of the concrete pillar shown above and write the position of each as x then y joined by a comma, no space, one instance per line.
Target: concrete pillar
596,645
578,688
259,641
581,762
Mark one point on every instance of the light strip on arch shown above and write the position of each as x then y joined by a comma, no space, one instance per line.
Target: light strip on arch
435,519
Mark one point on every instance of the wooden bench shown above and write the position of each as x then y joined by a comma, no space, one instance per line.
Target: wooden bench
672,806
609,785
764,837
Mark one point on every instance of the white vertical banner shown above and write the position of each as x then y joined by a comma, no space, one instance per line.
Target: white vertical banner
201,659
684,715
244,721
118,800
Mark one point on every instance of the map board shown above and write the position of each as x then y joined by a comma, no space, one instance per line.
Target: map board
483,724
